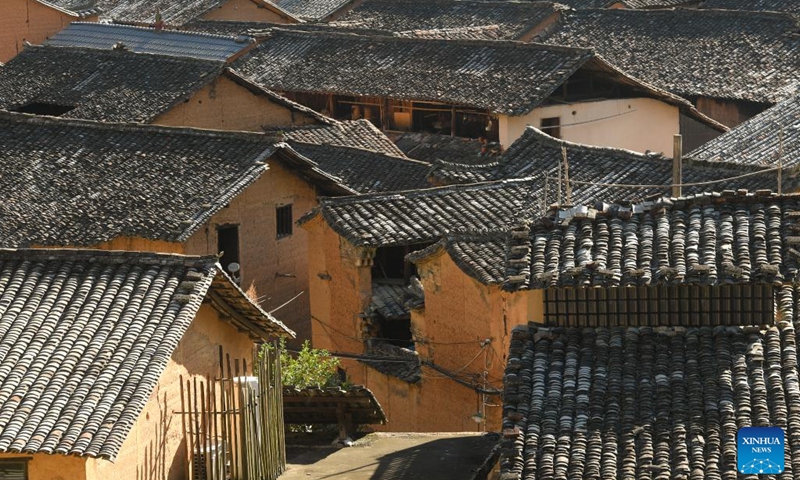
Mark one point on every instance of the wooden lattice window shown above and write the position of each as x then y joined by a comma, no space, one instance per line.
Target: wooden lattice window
684,305
14,469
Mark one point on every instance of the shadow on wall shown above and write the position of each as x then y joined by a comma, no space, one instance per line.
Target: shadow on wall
155,464
445,459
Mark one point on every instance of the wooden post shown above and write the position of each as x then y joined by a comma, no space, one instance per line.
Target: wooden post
677,165
453,121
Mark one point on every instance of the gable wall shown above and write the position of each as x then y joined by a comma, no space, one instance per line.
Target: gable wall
225,105
637,124
276,268
154,449
244,11
29,20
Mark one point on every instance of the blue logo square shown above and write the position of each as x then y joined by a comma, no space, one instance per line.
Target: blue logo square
760,450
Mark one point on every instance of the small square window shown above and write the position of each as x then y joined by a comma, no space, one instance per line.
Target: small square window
283,220
552,126
14,469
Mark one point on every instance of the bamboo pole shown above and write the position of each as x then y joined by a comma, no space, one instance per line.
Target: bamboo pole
233,428
183,429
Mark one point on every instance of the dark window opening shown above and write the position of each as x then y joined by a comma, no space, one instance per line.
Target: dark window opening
40,108
552,126
397,332
228,244
14,469
390,263
678,305
283,221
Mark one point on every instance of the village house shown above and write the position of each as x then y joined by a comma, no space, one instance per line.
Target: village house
33,21
658,334
770,138
731,65
489,89
454,19
96,345
189,86
365,252
151,188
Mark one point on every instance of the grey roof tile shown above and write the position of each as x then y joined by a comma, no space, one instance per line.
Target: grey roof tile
503,77
644,402
173,43
227,28
359,134
76,374
492,75
103,85
712,53
430,147
311,10
788,6
759,140
78,8
535,153
69,182
173,12
85,183
500,20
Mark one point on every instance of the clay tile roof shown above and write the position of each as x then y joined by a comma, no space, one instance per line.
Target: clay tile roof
347,133
227,28
103,85
76,373
505,77
173,43
706,239
430,147
710,53
311,10
506,20
173,12
76,8
644,402
635,4
69,182
601,167
759,140
476,254
315,405
366,170
421,216
788,6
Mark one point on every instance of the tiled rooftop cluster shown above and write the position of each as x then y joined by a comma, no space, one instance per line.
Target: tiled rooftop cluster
173,12
311,10
723,54
602,173
766,139
85,338
507,20
645,403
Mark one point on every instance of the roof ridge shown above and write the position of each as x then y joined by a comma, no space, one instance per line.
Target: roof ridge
360,149
424,192
461,41
110,256
109,52
684,11
170,29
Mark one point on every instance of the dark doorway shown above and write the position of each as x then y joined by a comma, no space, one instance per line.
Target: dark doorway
228,244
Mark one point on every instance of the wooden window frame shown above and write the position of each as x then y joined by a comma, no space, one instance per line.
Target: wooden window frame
284,227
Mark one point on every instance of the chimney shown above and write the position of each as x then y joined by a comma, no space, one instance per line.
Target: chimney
677,165
159,25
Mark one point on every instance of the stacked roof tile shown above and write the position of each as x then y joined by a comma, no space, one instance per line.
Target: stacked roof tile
86,336
431,147
78,8
499,76
311,10
70,182
147,40
645,403
103,85
788,6
506,20
421,216
604,173
766,139
713,53
359,134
